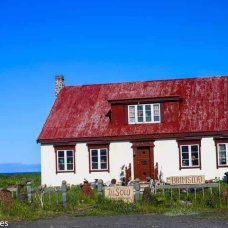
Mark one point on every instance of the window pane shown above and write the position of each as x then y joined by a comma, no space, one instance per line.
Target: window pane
131,114
140,108
148,113
156,118
194,148
103,152
222,161
140,119
140,113
184,148
103,158
195,161
61,154
222,154
69,153
94,165
185,156
94,153
131,111
195,155
69,166
222,147
185,162
61,167
103,165
61,160
70,160
132,120
94,159
156,110
148,107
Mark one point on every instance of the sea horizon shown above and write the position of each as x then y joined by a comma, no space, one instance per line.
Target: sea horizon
16,168
18,173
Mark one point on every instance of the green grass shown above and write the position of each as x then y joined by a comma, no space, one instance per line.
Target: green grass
12,180
81,205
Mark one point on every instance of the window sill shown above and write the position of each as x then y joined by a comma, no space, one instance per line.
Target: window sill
222,166
191,167
144,123
72,171
100,170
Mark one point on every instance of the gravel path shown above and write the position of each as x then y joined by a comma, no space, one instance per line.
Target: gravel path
131,221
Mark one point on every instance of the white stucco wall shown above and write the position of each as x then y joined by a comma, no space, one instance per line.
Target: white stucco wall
166,153
120,154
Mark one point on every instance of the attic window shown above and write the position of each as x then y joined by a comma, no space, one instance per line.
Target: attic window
144,113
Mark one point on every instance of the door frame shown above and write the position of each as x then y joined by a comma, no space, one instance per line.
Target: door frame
150,145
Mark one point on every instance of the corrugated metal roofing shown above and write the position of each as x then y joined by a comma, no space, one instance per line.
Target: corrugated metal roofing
80,111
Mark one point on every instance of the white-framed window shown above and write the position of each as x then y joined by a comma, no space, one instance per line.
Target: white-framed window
65,160
190,155
99,159
144,113
222,154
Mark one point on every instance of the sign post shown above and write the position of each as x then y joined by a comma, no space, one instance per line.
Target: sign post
181,180
120,193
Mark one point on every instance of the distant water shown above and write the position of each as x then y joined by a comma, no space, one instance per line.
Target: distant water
15,168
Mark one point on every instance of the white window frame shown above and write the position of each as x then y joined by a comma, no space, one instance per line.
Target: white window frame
65,161
144,113
190,156
226,145
99,159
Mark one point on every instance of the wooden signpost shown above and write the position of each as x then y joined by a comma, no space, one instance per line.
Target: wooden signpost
179,180
120,193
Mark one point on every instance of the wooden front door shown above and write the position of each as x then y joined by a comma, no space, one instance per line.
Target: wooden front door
143,163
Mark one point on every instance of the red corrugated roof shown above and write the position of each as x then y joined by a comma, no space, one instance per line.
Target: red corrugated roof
80,111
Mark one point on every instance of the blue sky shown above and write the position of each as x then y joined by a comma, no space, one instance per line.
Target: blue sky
93,42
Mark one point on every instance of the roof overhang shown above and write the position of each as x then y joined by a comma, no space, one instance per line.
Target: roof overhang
146,100
162,136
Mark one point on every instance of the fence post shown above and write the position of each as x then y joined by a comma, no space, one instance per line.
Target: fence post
100,189
137,189
17,190
29,190
64,193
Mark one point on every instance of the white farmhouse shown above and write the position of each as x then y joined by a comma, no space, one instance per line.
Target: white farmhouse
178,126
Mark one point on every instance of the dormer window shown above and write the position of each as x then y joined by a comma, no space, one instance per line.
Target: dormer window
144,113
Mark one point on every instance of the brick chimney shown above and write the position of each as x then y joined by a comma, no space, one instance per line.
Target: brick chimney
59,84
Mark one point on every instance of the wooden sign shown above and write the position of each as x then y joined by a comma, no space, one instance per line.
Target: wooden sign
120,193
186,180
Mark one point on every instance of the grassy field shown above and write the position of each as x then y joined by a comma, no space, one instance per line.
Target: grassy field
12,180
81,205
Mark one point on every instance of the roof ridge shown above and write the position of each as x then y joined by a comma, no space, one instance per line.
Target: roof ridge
156,80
